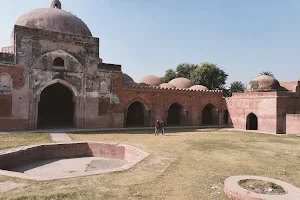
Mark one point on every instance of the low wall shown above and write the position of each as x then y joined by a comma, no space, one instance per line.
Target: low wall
19,157
293,123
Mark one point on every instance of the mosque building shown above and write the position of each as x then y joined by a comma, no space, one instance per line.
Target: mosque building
52,76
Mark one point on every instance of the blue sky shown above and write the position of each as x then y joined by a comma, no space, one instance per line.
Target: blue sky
244,37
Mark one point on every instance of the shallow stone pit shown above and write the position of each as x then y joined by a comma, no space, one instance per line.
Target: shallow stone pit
254,188
262,187
66,160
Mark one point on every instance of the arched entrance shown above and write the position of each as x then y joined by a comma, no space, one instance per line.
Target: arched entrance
226,117
56,108
135,116
176,115
210,115
252,123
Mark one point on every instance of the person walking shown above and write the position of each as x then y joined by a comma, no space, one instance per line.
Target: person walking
162,126
157,125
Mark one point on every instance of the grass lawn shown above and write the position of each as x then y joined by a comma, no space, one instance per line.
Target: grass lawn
8,141
181,165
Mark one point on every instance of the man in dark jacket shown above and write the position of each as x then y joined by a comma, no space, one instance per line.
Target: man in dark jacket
162,126
157,126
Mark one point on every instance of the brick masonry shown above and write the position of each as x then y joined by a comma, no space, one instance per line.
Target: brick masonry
19,157
101,100
293,123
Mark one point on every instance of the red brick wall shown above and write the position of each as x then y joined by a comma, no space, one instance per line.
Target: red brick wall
13,124
158,102
293,123
5,105
16,73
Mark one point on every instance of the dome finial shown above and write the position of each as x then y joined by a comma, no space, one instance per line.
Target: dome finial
55,4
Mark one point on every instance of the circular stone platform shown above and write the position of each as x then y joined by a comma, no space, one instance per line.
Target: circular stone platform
66,160
235,192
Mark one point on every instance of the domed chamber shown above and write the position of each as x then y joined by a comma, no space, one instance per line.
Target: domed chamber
264,83
127,80
198,87
150,80
53,19
167,86
181,83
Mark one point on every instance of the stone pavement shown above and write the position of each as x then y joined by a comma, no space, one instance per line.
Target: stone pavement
60,137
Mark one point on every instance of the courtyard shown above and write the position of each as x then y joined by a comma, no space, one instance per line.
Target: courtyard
184,164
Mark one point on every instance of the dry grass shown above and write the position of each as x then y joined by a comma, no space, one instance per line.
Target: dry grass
8,141
180,166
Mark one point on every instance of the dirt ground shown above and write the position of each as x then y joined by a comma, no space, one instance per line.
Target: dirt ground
181,165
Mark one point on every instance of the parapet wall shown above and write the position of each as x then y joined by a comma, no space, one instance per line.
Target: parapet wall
293,123
7,58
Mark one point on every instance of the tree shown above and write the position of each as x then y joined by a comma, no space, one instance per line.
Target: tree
185,69
268,73
170,74
226,91
209,75
237,86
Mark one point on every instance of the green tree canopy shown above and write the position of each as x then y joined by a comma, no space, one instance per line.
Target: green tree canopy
169,75
237,86
268,73
185,69
209,75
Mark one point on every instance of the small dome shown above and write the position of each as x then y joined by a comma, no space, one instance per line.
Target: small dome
181,83
198,87
167,86
151,80
126,78
263,83
54,19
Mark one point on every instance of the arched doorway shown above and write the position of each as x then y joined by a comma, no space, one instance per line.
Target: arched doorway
210,115
252,123
175,115
56,108
226,117
135,115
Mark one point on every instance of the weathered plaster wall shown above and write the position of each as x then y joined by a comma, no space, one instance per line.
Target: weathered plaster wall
262,104
293,123
12,107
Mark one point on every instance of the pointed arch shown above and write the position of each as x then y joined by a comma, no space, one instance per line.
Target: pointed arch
58,58
140,99
56,107
136,114
176,115
178,102
5,80
104,87
210,115
251,122
60,81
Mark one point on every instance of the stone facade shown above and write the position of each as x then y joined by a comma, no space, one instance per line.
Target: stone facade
48,64
276,111
100,99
